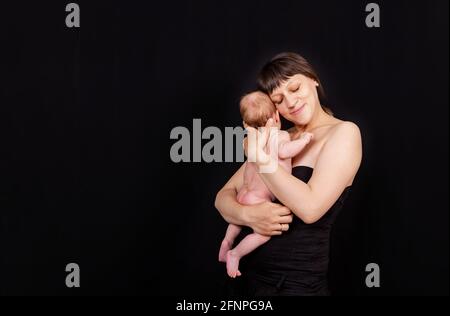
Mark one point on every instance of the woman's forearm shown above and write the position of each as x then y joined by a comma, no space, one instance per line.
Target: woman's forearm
227,205
293,193
334,170
266,218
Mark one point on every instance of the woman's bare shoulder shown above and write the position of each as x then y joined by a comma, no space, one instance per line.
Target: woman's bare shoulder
345,128
346,134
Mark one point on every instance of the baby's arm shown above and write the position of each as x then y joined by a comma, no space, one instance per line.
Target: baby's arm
289,149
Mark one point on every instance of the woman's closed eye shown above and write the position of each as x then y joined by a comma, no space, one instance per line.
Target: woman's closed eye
295,88
278,101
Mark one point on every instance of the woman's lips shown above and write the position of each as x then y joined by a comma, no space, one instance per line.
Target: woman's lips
300,109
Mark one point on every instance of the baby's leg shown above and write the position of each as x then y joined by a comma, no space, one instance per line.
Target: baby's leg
247,245
232,232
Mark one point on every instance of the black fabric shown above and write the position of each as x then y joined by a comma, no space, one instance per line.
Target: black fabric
295,263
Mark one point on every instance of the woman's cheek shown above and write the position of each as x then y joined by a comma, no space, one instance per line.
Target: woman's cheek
283,111
305,93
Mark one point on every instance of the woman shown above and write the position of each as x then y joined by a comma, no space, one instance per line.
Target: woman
295,261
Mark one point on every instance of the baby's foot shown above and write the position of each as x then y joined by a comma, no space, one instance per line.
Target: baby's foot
233,264
224,248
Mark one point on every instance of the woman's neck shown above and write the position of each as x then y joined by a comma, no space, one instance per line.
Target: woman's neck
320,118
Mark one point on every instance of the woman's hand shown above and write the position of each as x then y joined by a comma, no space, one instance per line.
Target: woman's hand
269,219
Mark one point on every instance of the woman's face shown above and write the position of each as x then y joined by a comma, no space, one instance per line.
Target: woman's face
296,99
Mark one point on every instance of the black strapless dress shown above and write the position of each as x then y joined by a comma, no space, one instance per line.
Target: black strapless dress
294,264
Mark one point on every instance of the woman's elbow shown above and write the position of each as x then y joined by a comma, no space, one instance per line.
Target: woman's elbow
310,216
309,220
217,201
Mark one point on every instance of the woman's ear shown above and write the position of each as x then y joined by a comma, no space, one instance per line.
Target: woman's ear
245,124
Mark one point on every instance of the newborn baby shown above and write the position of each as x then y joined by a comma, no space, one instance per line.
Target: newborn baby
256,110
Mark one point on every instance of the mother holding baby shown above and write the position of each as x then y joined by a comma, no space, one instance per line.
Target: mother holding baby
295,261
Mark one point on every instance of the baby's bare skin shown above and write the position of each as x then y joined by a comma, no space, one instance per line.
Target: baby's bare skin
253,192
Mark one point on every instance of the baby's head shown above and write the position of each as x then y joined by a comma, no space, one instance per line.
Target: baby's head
257,109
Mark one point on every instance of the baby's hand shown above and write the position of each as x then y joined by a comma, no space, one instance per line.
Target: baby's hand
307,137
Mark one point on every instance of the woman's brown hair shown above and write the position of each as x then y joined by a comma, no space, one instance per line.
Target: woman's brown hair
284,66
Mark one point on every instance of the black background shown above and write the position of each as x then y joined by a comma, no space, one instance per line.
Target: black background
86,114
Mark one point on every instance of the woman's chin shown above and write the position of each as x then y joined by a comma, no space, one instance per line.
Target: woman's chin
299,120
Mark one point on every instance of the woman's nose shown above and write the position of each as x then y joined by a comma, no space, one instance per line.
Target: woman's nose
290,102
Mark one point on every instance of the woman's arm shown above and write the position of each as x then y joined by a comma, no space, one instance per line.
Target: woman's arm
338,163
226,200
264,218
